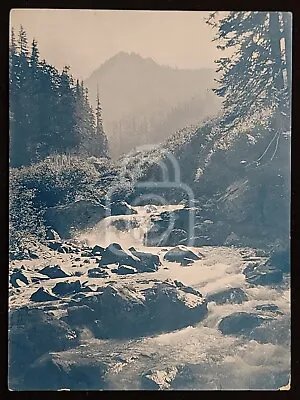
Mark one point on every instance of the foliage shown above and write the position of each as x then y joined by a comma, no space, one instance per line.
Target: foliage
49,113
255,81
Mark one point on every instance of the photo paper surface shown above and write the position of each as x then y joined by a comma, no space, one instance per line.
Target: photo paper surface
149,200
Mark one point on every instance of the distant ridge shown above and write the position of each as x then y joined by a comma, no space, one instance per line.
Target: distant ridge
144,102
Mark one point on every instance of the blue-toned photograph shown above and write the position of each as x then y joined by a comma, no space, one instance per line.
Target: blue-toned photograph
149,200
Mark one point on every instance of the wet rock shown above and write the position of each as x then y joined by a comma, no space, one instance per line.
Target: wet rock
114,254
42,294
148,262
121,208
55,245
18,275
33,332
177,254
51,234
82,214
232,295
186,262
158,380
54,272
267,307
262,274
240,323
81,315
125,270
63,288
281,260
87,254
67,370
172,308
97,250
124,311
97,273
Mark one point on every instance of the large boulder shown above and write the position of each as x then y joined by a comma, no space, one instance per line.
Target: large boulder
240,323
262,274
281,260
42,295
121,208
231,295
80,214
123,311
66,288
54,272
18,276
171,307
114,254
178,253
57,371
148,262
33,332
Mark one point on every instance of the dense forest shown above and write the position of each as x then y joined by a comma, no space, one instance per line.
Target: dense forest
50,112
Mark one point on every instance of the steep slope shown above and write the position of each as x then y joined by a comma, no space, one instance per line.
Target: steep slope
144,102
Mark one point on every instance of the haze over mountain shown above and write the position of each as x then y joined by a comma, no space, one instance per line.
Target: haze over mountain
144,103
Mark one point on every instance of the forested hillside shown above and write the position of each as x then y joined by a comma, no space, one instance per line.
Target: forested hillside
50,112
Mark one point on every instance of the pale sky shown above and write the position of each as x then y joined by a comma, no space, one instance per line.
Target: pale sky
84,39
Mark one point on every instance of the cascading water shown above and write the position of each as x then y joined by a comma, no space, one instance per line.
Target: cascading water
127,230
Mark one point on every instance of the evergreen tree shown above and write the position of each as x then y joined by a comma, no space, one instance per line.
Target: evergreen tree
101,142
252,81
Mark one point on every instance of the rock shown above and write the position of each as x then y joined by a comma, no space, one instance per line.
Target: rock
173,308
33,332
81,315
97,273
54,245
77,259
66,369
177,254
186,261
158,380
148,261
87,254
239,323
54,272
232,295
51,234
232,240
268,308
82,214
150,208
187,289
97,250
125,312
176,237
86,261
18,275
281,260
42,294
121,208
63,288
262,274
33,255
125,270
114,254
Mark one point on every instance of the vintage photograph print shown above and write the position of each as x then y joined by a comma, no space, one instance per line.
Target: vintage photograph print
149,200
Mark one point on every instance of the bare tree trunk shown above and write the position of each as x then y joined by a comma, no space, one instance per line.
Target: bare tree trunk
275,36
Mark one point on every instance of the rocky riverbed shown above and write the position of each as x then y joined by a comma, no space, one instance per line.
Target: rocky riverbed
87,316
